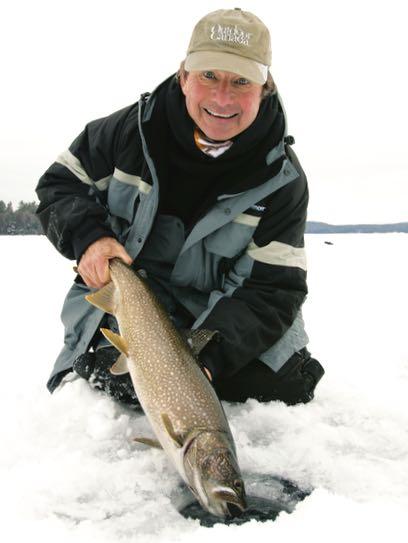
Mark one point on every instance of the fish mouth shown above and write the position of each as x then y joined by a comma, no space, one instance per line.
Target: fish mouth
234,510
229,503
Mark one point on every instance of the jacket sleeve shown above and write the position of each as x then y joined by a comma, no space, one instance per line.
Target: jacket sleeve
71,209
265,287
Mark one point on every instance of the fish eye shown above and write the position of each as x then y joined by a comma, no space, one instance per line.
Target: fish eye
238,484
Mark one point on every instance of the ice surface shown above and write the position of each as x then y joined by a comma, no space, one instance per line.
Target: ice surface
70,471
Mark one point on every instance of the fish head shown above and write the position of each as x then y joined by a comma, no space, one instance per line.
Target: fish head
222,483
214,475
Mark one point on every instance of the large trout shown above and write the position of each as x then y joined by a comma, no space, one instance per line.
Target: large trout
177,398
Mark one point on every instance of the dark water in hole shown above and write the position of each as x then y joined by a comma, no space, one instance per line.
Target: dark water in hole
267,496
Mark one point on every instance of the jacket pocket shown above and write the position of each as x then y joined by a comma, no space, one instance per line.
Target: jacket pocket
229,240
122,199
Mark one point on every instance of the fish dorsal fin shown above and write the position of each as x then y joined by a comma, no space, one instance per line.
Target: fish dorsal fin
120,367
170,430
148,441
116,340
103,298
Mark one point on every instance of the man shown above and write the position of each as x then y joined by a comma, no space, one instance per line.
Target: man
197,185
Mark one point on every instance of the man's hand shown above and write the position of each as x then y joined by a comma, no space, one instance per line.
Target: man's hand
94,264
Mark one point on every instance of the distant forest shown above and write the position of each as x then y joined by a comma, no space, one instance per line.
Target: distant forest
324,228
23,220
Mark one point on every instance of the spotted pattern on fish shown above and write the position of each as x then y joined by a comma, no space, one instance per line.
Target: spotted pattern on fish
179,401
164,372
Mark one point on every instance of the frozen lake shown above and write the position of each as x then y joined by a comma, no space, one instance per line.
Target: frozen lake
69,470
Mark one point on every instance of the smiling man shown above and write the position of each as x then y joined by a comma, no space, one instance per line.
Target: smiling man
222,104
197,185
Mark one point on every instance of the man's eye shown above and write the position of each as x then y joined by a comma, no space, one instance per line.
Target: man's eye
209,75
242,81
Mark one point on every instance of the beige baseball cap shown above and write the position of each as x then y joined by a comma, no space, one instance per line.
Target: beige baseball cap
231,40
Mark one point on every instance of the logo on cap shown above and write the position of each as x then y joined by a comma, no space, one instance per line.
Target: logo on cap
230,34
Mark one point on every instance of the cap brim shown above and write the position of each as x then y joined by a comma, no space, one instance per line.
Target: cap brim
213,60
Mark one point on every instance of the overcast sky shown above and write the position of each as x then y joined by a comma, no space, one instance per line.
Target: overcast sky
340,67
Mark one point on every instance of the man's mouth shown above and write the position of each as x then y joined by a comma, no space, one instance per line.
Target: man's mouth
219,115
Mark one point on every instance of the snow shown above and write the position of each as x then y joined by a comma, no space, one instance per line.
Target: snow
70,470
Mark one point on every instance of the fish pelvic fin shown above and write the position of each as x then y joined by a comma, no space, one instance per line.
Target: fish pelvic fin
198,339
148,441
103,298
117,341
170,430
120,367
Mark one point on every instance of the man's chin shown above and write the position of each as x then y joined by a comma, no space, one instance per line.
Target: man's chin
217,134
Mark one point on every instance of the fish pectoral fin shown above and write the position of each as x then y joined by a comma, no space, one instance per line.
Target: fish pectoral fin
120,367
149,442
117,341
103,298
170,430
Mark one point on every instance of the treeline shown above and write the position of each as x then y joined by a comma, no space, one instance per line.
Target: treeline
324,228
23,220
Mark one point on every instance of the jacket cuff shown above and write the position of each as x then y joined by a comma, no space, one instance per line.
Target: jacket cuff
87,234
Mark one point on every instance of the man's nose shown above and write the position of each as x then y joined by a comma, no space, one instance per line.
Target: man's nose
223,94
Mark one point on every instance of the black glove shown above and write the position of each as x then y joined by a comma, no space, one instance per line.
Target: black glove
299,378
95,366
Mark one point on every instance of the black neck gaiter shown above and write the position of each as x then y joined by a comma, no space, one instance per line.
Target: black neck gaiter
190,180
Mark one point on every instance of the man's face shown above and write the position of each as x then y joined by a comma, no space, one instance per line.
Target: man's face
222,104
